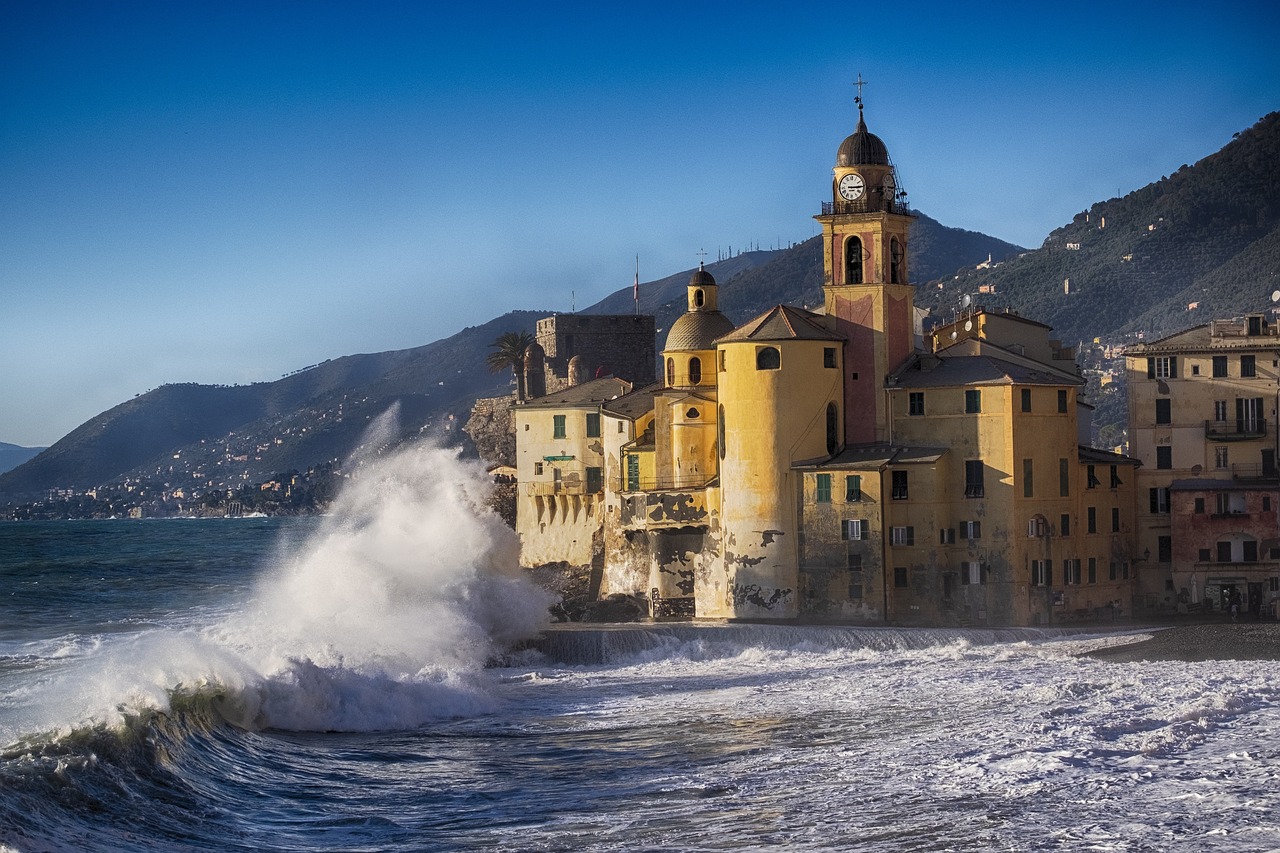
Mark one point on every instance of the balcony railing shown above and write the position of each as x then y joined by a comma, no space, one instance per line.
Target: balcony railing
1236,430
869,203
1255,471
562,487
663,484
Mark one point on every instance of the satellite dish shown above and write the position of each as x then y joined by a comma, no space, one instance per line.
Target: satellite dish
968,300
968,325
1275,296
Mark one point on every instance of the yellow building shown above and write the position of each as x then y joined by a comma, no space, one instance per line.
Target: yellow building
1202,409
837,466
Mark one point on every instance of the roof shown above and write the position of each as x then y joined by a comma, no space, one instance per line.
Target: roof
633,405
873,457
782,323
1202,339
588,394
697,330
951,371
863,148
1105,457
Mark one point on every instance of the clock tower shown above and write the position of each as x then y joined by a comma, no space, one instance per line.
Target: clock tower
866,290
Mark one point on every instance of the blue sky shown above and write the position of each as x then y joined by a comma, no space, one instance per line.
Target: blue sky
224,193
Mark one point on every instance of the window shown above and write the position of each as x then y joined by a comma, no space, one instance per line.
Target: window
1037,526
973,472
1205,555
972,402
971,529
1091,520
1220,457
699,298
1092,478
633,472
537,469
915,403
899,485
900,576
557,426
895,262
852,488
720,430
1250,550
1219,410
1219,365
853,562
1026,399
1248,365
768,358
1266,503
1028,480
1113,570
1195,370
1093,570
1041,572
1064,525
595,480
1064,478
720,361
971,574
1071,572
946,536
1164,457
671,372
1162,367
1115,519
824,489
593,425
828,356
695,371
1199,506
854,528
1115,477
1160,500
1224,552
1164,411
853,261
902,535
1164,549
1062,402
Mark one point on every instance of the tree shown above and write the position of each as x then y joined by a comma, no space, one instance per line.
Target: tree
509,352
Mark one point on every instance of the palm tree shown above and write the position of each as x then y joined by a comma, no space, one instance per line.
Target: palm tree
509,352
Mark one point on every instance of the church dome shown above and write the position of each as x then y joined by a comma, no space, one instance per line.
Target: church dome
863,148
697,330
701,278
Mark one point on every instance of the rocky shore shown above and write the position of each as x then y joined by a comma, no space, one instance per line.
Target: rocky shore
1214,641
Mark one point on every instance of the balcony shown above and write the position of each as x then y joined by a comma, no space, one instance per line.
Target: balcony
663,484
1256,472
869,203
1237,430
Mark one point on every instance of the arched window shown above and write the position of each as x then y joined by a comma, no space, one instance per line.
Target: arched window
720,431
833,426
895,262
853,261
768,358
695,371
671,372
698,298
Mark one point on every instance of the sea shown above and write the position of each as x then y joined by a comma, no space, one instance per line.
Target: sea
365,681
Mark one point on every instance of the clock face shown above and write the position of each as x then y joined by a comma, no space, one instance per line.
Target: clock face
889,185
852,187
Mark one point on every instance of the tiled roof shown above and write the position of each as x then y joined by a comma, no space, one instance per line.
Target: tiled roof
587,394
782,323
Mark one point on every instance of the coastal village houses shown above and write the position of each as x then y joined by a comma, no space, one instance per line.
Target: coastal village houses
840,465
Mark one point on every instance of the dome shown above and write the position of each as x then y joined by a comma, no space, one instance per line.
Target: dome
862,149
697,330
701,278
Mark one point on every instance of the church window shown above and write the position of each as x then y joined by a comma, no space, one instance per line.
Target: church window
698,299
557,426
895,262
853,261
692,414
593,425
768,358
824,489
695,371
720,431
721,360
671,372
828,356
833,429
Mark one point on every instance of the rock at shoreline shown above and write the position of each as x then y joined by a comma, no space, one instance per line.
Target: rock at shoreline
1220,641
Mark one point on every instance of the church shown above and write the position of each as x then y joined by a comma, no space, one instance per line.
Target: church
837,465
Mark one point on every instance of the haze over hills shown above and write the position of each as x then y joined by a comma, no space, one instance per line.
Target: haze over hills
11,455
1208,234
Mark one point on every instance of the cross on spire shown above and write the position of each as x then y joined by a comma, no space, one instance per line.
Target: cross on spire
702,254
859,83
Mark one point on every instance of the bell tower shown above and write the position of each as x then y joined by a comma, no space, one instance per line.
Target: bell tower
866,287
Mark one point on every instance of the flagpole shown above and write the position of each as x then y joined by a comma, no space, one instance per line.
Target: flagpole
635,290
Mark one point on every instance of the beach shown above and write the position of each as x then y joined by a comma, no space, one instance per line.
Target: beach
1201,642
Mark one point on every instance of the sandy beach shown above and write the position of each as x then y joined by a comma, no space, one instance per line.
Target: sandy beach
1212,641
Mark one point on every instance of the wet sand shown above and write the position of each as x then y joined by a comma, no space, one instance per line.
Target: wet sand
1217,641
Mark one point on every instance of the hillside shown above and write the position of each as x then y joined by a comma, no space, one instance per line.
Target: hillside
1203,242
13,455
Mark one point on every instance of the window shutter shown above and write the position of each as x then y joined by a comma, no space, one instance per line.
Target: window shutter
1173,367
1151,368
